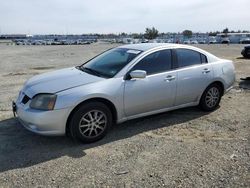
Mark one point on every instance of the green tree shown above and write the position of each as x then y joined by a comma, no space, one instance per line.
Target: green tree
187,33
151,33
123,34
226,30
137,35
213,33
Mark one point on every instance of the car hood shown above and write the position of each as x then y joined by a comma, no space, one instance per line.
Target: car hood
56,81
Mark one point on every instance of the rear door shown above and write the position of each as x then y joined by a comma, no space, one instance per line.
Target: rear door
193,75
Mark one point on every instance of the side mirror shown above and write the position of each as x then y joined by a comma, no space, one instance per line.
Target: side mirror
139,74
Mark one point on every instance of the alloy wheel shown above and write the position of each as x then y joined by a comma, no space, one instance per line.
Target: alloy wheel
212,97
92,123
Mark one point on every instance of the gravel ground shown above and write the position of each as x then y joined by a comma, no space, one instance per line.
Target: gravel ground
182,148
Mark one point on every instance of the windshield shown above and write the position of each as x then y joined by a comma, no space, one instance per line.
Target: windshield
109,63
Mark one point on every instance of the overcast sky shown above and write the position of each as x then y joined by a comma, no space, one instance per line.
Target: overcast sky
115,16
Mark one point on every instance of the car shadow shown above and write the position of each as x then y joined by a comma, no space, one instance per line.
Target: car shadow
20,148
242,58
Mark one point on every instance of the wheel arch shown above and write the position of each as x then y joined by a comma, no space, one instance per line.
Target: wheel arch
202,98
220,83
107,102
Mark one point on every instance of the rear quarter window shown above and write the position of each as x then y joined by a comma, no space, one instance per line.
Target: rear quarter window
203,58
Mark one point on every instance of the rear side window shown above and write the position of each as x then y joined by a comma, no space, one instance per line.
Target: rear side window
203,59
156,62
188,57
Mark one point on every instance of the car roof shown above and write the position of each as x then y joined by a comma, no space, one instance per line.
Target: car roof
148,46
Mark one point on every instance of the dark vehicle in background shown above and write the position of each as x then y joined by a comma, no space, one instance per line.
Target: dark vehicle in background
246,51
245,41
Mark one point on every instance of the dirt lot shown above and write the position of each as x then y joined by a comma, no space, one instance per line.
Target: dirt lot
182,148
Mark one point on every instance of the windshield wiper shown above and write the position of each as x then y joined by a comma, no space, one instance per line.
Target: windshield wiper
91,71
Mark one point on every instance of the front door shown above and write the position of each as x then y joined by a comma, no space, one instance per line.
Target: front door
157,90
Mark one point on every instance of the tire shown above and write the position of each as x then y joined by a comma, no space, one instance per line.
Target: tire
211,97
247,54
244,54
90,122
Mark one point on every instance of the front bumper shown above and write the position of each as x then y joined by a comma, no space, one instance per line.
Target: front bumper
49,123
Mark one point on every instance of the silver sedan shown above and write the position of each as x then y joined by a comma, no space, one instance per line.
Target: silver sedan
120,84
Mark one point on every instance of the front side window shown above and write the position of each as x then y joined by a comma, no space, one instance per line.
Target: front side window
156,62
188,57
109,63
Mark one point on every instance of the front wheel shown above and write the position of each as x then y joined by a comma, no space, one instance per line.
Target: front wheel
90,122
211,97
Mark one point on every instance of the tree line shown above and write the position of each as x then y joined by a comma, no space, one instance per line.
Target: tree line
152,33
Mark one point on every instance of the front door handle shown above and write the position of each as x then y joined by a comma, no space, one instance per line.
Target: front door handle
205,71
169,78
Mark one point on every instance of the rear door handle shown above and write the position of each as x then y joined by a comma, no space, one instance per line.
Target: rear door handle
205,71
169,78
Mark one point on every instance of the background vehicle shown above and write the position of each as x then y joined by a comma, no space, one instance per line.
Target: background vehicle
170,41
123,83
245,41
194,42
202,41
212,40
186,42
234,38
246,51
225,40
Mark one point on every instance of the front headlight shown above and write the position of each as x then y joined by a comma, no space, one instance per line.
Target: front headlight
43,102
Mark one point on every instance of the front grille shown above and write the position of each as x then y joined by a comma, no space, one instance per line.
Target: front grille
25,99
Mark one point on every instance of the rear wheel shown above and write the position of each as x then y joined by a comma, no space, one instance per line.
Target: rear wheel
90,122
211,97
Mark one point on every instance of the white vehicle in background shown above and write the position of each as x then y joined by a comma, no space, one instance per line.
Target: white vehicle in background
212,40
194,42
48,42
170,41
202,41
225,40
145,41
136,41
186,42
127,41
153,41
